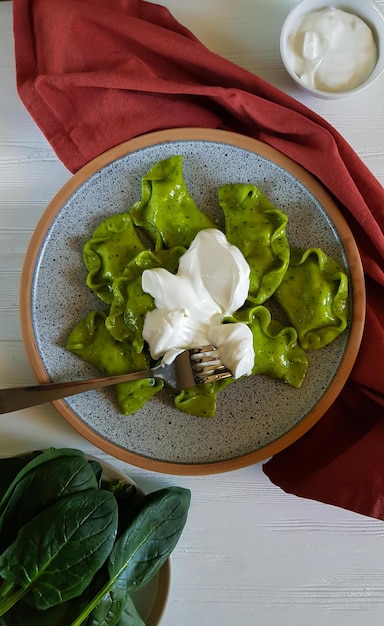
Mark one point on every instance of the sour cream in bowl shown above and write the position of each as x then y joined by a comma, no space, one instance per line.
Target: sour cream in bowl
332,50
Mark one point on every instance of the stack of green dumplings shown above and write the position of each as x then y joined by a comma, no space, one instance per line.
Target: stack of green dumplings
310,287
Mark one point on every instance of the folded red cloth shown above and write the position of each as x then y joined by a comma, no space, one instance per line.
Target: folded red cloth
94,73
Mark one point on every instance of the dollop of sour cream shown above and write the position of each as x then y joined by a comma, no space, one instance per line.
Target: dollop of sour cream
212,282
333,50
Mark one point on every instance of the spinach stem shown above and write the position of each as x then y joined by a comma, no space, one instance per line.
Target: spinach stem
10,600
91,605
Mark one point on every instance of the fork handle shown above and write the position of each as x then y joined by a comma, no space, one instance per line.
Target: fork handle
16,398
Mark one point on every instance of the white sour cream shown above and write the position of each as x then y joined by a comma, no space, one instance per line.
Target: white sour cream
333,50
212,282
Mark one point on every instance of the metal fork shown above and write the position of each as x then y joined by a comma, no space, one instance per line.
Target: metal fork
192,367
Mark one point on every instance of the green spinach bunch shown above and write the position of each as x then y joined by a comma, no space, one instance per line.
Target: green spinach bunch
74,546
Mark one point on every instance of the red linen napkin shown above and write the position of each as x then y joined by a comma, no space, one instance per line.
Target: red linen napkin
94,73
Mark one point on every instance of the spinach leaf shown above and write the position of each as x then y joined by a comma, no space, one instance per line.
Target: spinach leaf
11,466
22,614
41,459
130,615
57,553
68,520
97,469
150,538
126,497
39,484
139,552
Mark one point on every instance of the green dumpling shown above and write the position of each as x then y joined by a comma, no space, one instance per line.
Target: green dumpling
113,244
92,342
277,351
314,296
258,229
201,400
167,212
130,303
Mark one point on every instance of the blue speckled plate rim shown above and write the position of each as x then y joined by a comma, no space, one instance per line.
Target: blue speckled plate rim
306,179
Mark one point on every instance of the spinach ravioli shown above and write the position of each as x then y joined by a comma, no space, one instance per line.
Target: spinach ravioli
167,212
314,295
311,288
258,229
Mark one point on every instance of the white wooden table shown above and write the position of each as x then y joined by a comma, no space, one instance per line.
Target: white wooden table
250,554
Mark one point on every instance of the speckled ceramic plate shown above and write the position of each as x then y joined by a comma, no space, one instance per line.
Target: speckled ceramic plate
256,417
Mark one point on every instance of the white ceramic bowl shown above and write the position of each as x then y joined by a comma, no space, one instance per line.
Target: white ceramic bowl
367,10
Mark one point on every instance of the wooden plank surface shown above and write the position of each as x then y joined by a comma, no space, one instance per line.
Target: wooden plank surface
250,553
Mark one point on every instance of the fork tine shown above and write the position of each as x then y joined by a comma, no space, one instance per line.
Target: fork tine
206,359
208,369
205,354
198,354
211,377
206,365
